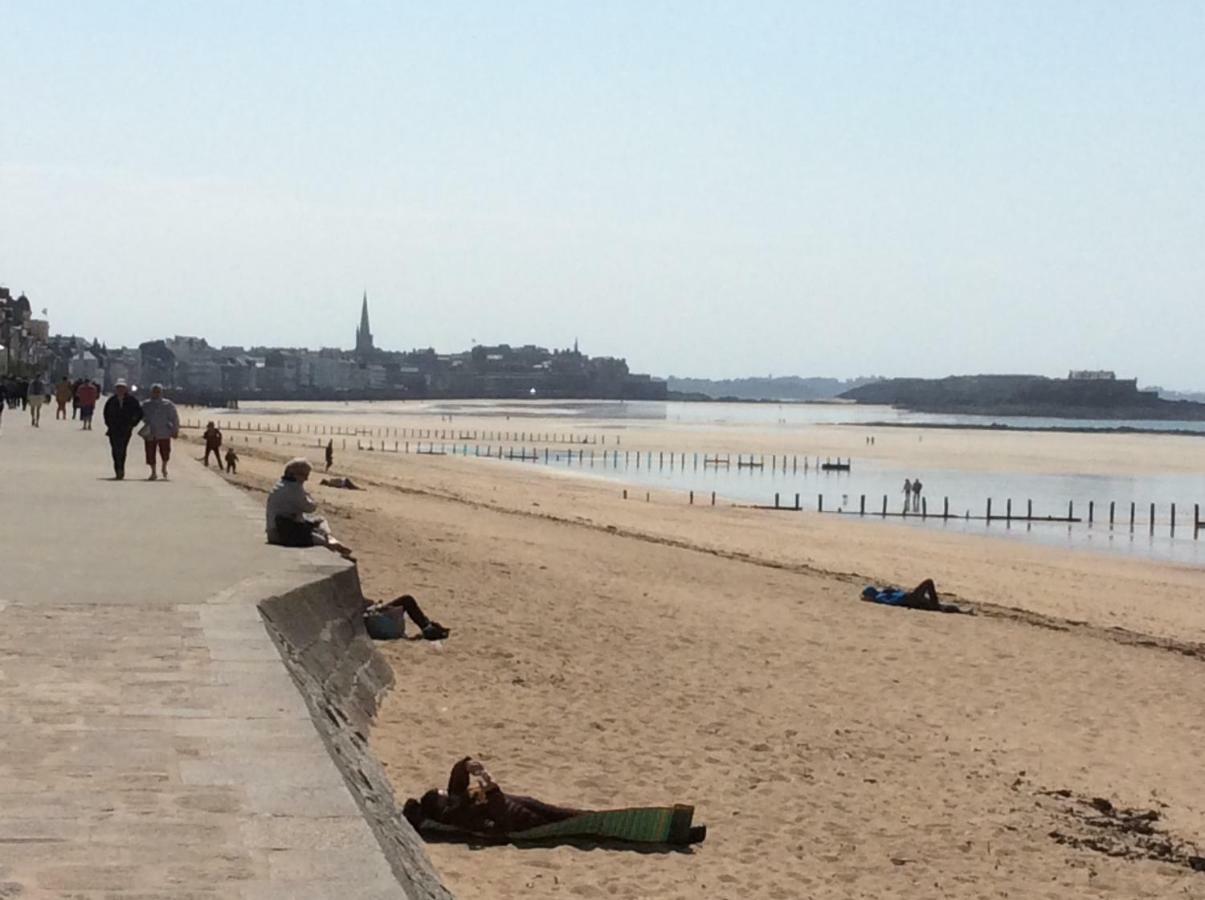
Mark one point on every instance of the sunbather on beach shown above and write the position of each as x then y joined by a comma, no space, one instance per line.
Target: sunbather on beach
387,621
923,596
475,804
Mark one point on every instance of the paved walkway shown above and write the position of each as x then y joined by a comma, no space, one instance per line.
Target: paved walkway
151,743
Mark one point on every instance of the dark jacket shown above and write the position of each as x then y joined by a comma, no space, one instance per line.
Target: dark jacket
122,415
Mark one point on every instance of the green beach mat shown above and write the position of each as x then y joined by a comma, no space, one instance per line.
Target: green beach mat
645,825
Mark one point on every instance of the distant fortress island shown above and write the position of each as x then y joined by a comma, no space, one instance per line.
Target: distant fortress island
195,371
1081,395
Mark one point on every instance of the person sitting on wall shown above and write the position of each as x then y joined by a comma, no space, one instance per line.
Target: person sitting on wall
923,596
290,520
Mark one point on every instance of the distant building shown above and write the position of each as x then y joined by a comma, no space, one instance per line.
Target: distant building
364,345
1091,375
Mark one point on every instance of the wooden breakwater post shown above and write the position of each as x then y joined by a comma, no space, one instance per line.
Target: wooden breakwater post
884,506
1133,506
776,500
1111,505
988,518
1196,520
1152,522
692,498
713,498
1008,511
1173,531
924,508
797,506
945,508
1091,511
862,505
820,503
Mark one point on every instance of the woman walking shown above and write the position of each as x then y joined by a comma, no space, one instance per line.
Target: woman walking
160,423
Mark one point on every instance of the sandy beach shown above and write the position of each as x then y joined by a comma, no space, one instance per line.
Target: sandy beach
609,653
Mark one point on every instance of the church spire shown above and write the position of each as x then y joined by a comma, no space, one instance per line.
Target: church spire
364,333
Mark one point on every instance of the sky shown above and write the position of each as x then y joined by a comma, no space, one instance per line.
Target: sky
707,189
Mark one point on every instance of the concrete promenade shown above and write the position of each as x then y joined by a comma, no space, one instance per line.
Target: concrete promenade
152,744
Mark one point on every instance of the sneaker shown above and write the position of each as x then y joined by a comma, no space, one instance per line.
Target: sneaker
154,476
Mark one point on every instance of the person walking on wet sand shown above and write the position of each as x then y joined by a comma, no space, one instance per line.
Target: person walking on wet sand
330,454
907,494
122,414
213,444
916,488
161,423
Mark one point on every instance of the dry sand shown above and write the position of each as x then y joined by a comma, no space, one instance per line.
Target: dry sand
610,653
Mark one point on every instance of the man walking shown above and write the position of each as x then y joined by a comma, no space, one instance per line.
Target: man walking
85,399
35,397
122,414
213,444
62,395
162,424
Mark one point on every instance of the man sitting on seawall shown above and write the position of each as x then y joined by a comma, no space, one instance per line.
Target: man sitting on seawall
923,596
473,804
289,508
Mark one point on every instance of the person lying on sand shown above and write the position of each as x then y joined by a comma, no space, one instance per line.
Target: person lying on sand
475,804
923,596
289,520
387,621
346,483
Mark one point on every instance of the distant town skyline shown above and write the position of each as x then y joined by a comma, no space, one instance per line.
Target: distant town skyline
704,190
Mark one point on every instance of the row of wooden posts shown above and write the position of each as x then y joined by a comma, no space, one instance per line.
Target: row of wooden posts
1008,517
437,434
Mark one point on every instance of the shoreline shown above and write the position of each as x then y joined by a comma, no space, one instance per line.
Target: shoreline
607,654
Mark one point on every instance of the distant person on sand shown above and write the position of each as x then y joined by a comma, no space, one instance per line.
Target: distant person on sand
231,461
923,596
288,513
916,488
122,414
35,397
62,396
86,396
907,494
161,423
213,444
330,454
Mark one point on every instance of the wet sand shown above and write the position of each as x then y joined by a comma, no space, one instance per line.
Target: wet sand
613,653
1052,453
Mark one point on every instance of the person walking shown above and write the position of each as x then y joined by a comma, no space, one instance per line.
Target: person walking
62,396
330,454
35,397
907,494
75,386
916,488
160,423
213,444
122,413
85,398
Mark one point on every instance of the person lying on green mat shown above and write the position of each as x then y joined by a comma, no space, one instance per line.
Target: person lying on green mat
474,804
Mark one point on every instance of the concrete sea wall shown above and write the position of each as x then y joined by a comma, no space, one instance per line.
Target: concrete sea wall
320,634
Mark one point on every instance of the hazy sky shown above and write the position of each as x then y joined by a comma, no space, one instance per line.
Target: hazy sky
710,189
